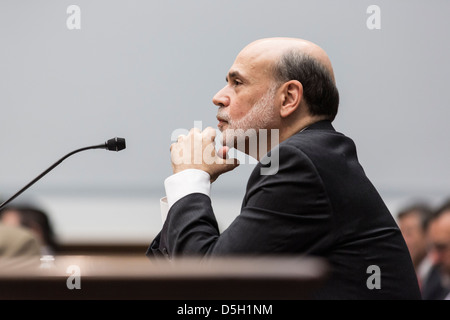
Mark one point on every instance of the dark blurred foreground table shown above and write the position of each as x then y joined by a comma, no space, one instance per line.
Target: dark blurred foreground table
137,277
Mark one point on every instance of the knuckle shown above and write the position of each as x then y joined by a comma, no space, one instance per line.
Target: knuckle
209,132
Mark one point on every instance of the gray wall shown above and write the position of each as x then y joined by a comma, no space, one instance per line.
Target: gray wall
141,69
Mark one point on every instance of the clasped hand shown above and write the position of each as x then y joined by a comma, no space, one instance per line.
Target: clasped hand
197,151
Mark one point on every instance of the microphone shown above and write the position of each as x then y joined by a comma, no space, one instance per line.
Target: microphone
114,144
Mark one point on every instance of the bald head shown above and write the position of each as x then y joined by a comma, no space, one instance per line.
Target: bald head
290,59
272,50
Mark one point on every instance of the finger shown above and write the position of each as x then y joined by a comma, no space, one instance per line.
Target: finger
231,163
209,133
235,163
223,152
225,166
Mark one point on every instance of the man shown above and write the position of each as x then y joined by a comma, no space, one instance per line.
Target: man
413,222
439,235
317,202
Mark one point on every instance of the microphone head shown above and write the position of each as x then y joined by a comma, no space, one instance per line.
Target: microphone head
115,144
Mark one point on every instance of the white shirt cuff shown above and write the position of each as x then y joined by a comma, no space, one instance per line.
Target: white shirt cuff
164,208
186,182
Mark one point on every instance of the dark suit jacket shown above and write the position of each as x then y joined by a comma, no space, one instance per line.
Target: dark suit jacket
320,203
433,289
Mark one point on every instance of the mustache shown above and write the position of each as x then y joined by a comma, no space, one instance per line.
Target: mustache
222,115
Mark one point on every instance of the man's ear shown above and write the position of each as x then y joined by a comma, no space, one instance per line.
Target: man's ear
291,96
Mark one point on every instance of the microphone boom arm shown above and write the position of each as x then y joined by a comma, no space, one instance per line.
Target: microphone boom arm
115,144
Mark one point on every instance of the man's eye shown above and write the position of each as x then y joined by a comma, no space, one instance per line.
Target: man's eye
237,82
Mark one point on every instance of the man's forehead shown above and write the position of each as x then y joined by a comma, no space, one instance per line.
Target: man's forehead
440,227
261,55
269,50
250,66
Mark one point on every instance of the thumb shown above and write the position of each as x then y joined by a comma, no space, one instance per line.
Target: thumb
223,152
230,163
222,166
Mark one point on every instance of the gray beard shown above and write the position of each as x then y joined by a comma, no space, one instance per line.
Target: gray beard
260,116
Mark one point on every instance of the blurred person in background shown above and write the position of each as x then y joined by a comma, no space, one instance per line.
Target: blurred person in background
413,222
18,242
34,219
439,239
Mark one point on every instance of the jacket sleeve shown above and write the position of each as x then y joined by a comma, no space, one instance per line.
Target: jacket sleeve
285,212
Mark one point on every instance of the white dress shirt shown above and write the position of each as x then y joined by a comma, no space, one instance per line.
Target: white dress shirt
181,184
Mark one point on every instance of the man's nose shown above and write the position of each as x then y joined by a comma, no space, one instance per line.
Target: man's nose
221,99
